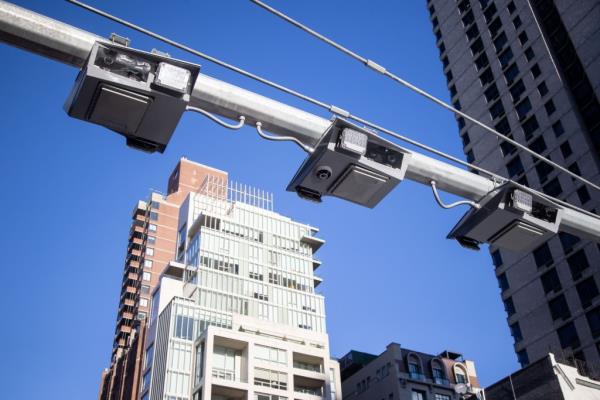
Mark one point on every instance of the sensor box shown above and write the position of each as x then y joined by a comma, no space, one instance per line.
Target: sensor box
351,163
137,94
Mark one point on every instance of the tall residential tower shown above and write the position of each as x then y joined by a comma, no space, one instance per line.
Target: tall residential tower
531,69
236,315
151,246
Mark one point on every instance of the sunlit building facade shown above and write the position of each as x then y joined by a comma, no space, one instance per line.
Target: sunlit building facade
236,315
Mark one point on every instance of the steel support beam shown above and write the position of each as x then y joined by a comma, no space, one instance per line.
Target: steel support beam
70,45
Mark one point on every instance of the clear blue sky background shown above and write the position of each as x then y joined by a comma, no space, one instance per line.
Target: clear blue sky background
68,189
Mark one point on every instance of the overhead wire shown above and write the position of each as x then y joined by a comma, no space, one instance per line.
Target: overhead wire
382,70
329,107
497,179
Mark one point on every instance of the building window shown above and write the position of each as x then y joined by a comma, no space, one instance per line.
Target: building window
439,396
511,7
464,6
543,169
558,129
153,216
509,306
523,38
414,368
530,126
550,107
553,188
566,150
523,108
587,291
523,358
503,282
551,282
538,145
145,289
567,241
152,227
270,378
500,41
490,12
567,335
468,18
593,318
543,256
486,77
476,47
271,354
472,32
418,395
542,89
460,375
574,168
517,90
517,22
146,276
515,331
147,263
496,258
495,26
184,329
514,167
481,62
491,93
143,302
149,251
439,376
578,263
584,195
497,109
536,71
511,74
559,308
505,57
151,240
146,380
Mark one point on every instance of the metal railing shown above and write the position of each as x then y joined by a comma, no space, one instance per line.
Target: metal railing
224,374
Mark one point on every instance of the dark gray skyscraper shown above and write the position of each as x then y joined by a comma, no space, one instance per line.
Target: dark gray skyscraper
531,69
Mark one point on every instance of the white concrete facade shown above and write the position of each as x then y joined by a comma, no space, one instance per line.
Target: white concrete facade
237,316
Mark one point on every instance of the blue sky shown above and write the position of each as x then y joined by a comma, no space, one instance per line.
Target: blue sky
69,188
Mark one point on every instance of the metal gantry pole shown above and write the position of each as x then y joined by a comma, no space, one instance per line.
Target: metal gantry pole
62,42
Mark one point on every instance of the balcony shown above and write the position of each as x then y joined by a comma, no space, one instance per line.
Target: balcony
310,387
315,243
317,280
139,208
225,374
316,263
311,364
